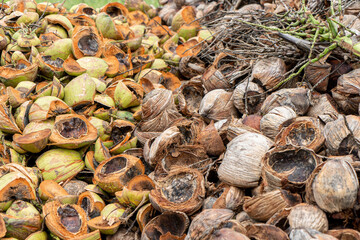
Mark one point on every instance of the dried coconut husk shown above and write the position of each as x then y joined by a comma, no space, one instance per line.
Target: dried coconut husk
213,78
86,41
144,215
265,231
344,233
333,186
182,190
172,223
225,197
270,123
324,108
72,131
318,74
167,12
264,206
248,97
11,75
241,165
269,72
289,167
341,135
308,233
114,173
308,216
211,140
348,103
301,132
218,105
296,98
191,66
203,225
182,132
280,220
158,111
189,97
234,128
47,107
346,91
252,121
191,156
155,149
65,221
33,142
226,233
7,121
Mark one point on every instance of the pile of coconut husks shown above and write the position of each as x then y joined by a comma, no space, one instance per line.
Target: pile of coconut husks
231,120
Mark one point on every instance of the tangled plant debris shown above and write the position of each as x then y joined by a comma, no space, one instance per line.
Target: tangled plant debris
198,120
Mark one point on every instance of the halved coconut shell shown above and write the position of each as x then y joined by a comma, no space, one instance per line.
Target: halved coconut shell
48,67
174,223
72,131
86,41
7,121
113,174
48,189
121,134
203,224
16,185
47,107
72,67
263,207
115,9
2,227
91,203
136,192
104,226
11,75
137,18
289,167
65,221
190,48
33,142
265,231
144,215
301,132
182,190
